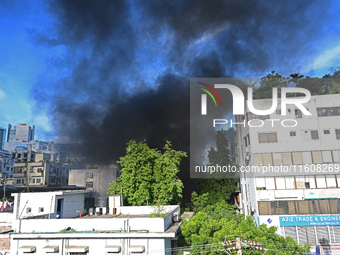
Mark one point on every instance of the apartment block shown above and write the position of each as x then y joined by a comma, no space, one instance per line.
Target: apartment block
289,167
40,173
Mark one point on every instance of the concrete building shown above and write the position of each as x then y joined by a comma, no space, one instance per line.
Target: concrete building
290,176
22,132
96,178
40,173
6,164
36,227
2,137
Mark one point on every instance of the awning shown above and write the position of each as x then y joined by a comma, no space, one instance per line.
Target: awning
27,248
51,248
74,248
112,249
136,248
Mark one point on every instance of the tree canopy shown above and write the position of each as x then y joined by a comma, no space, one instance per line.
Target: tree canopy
205,234
148,175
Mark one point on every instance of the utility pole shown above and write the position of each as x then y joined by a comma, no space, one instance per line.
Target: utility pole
238,246
5,180
238,243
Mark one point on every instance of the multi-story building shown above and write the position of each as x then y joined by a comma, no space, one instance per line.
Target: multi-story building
290,175
54,222
6,164
22,131
40,173
96,178
2,137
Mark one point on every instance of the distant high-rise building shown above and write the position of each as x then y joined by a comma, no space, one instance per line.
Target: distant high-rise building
22,131
2,137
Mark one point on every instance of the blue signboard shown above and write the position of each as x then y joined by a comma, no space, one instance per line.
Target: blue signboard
308,220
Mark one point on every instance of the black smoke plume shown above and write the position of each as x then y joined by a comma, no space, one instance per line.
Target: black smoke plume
122,68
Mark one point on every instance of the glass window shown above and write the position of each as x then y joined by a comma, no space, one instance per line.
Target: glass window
300,182
321,182
277,157
336,157
337,133
257,159
317,157
270,183
290,182
280,183
330,180
297,158
292,133
307,157
263,138
314,134
287,158
298,113
326,132
260,183
267,138
89,185
267,159
327,157
310,182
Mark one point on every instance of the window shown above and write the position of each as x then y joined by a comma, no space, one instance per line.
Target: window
298,113
328,111
89,175
38,180
89,185
337,133
28,209
33,180
315,135
268,138
18,181
326,132
41,209
292,133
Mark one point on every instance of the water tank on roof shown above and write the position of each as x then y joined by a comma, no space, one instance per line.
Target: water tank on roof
102,201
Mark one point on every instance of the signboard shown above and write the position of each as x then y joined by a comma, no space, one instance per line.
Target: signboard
320,220
334,250
321,193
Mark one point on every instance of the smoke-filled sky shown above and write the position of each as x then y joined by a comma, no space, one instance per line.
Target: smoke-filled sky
105,72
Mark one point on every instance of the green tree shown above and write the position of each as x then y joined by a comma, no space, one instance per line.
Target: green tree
334,83
268,82
148,175
218,188
205,234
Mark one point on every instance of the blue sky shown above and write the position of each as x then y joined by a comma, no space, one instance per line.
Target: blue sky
26,64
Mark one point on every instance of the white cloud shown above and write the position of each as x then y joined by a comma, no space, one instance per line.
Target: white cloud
325,60
2,94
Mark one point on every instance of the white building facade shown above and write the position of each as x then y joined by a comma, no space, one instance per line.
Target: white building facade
131,230
290,175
